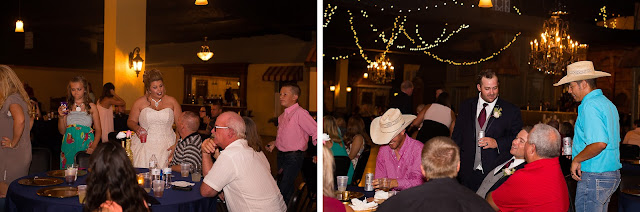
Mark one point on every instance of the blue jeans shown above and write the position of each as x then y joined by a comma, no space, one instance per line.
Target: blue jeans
289,164
595,189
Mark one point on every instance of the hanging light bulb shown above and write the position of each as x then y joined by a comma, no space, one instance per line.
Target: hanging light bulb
202,2
485,4
205,54
19,26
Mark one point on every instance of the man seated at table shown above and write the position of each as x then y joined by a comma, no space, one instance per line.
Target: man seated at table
501,173
243,173
539,186
399,157
633,136
442,192
188,146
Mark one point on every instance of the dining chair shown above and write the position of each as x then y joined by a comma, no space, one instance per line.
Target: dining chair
82,159
40,160
362,163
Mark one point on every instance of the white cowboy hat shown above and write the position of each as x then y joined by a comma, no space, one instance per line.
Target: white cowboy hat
387,126
581,70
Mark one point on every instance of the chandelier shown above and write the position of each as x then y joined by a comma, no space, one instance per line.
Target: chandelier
555,50
380,71
205,54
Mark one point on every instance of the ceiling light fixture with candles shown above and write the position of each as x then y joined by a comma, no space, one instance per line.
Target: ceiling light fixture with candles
381,71
205,54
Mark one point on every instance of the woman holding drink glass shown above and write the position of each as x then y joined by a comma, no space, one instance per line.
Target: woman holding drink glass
15,154
77,116
152,117
112,183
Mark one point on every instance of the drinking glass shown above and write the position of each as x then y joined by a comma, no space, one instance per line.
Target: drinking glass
71,174
342,183
147,182
184,169
158,188
82,192
385,183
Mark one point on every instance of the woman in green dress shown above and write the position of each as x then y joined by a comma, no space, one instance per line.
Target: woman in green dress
336,142
75,122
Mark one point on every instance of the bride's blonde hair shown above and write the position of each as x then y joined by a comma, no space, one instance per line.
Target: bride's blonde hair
10,84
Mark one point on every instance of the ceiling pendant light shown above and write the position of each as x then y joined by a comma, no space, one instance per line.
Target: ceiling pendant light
205,54
202,2
19,23
485,4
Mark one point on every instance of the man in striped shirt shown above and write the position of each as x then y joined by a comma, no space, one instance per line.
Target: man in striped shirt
188,147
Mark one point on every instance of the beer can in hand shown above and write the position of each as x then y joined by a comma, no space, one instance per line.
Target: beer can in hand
566,145
368,182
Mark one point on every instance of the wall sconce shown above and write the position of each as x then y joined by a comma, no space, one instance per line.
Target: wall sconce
485,4
332,88
366,75
238,83
135,62
202,2
348,89
19,26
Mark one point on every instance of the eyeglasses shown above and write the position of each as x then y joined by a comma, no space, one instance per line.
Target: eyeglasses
215,128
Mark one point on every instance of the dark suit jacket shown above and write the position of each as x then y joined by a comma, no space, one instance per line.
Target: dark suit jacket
504,179
444,194
403,102
503,129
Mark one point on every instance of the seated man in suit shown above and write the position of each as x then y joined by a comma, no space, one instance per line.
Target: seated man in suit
440,165
497,176
540,185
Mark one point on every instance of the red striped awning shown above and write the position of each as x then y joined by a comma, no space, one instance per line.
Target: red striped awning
283,73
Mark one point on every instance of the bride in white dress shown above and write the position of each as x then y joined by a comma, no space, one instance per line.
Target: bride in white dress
153,114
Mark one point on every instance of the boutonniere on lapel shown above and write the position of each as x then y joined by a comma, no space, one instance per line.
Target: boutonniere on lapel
507,172
497,111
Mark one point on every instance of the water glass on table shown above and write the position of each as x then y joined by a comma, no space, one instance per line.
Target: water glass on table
342,183
184,169
146,182
82,192
71,174
158,188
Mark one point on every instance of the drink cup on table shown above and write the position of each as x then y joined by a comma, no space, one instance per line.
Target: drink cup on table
158,188
184,169
342,183
147,182
82,192
71,174
385,183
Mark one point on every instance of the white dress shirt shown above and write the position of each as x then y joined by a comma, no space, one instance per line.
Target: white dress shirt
245,176
489,107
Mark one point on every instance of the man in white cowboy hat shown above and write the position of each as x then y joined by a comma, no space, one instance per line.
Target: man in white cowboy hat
399,158
596,153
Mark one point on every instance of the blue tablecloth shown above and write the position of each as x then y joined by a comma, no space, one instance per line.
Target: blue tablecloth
24,198
628,202
367,194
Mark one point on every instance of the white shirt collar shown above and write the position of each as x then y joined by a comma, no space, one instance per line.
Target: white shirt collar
516,162
489,107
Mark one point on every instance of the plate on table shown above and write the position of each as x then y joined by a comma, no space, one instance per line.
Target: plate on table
58,192
631,191
60,173
40,181
348,195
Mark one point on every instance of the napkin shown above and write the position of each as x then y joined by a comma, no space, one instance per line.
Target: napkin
182,183
380,194
361,205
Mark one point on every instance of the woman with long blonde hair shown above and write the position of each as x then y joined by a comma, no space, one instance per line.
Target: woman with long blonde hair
15,107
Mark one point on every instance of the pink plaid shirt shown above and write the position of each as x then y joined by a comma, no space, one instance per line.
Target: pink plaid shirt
406,169
295,126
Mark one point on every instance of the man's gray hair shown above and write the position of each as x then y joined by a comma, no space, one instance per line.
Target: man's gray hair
406,85
236,123
546,140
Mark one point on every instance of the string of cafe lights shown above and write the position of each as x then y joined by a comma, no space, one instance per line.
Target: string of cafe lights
437,41
477,61
603,13
327,15
396,25
422,8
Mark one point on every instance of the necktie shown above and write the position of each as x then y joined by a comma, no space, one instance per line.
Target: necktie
505,166
483,115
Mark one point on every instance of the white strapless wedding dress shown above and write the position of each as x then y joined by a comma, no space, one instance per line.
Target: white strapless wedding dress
160,137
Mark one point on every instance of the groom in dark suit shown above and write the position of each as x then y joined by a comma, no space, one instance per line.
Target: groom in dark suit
499,121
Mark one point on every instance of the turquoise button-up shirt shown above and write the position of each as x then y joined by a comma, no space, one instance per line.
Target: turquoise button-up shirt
598,121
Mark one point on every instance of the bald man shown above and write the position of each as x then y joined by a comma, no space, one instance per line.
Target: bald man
189,144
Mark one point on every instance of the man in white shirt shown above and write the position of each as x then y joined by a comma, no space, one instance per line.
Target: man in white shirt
633,136
243,173
501,173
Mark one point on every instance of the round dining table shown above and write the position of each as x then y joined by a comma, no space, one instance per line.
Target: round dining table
24,197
